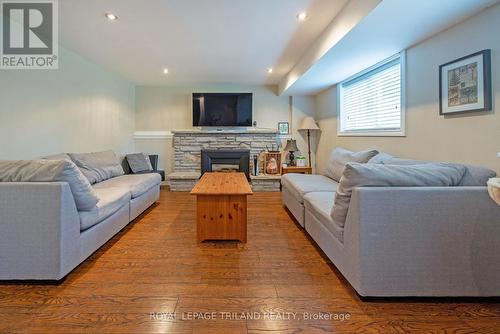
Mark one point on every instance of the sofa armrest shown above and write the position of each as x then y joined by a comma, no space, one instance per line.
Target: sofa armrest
438,241
39,231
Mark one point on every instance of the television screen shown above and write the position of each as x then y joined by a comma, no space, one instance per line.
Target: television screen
222,109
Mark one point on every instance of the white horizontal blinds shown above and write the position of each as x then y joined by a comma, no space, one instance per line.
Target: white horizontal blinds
372,101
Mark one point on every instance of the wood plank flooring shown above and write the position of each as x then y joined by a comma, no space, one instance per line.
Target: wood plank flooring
154,277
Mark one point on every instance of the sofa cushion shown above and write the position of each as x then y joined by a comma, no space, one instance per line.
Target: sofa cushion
378,175
301,184
340,156
320,204
98,166
51,171
139,162
474,175
110,201
404,162
380,158
137,184
60,156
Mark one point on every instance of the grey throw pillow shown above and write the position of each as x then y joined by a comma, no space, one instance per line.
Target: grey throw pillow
98,166
139,162
379,175
51,171
477,176
340,157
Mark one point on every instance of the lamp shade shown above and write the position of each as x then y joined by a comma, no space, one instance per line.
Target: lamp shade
291,145
308,123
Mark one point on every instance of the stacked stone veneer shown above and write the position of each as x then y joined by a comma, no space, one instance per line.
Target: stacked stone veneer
188,146
266,183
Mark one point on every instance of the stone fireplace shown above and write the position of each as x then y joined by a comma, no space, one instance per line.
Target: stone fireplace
189,145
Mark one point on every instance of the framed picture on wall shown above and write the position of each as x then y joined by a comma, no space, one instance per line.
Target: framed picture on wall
465,84
284,128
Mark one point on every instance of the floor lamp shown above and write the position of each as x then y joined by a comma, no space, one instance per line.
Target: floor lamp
308,124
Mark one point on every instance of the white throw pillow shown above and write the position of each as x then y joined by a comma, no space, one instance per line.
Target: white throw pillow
51,171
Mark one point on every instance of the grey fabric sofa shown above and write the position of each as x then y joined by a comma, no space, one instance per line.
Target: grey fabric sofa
404,241
43,236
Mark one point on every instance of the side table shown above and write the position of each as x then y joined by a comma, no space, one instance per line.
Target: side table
295,169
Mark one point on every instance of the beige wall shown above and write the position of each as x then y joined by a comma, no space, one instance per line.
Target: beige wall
167,108
468,138
163,108
79,108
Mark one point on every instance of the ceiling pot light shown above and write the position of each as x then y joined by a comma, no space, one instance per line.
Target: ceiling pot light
302,16
165,71
111,16
269,70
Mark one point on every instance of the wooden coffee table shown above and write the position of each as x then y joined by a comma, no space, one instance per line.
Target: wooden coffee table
222,206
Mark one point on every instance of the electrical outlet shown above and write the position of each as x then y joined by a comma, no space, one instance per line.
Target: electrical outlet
498,155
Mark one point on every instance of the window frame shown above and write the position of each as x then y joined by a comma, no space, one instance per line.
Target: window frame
401,132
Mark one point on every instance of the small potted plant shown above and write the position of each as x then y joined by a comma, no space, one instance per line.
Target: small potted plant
300,161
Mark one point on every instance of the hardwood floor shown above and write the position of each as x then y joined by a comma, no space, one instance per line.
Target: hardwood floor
154,277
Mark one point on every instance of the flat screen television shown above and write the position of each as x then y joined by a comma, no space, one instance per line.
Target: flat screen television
222,109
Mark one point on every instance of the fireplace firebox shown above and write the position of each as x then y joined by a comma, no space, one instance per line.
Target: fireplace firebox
226,160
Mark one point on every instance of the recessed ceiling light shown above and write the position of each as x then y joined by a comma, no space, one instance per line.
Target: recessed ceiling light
111,16
270,70
165,71
302,16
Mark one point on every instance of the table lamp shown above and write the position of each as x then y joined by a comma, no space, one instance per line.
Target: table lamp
291,146
308,124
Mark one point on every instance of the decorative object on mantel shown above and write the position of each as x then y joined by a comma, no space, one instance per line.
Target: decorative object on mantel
271,165
272,160
494,189
255,164
284,128
291,146
308,124
465,84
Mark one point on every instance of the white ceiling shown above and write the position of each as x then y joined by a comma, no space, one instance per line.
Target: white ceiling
391,27
199,41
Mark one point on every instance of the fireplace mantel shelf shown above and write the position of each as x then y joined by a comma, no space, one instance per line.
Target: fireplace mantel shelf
226,131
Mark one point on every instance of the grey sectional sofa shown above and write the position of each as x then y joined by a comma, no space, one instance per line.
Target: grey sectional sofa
404,240
44,233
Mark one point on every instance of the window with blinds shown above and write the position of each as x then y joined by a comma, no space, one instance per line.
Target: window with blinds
371,102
